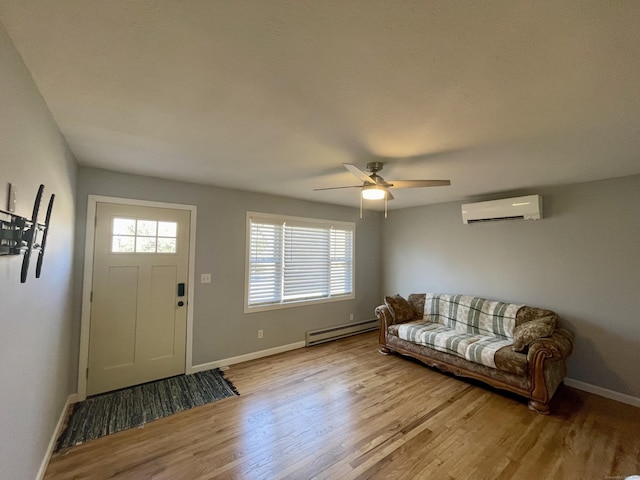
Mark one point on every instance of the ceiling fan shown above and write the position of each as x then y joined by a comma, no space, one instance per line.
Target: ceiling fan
374,187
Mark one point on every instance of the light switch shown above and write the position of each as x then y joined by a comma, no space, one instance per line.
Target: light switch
205,278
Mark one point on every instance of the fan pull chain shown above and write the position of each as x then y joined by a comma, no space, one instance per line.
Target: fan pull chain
385,204
360,206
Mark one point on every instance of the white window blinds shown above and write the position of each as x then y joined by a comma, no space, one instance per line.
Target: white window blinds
265,270
294,260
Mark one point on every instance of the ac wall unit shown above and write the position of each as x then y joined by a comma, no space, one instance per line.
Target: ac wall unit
517,208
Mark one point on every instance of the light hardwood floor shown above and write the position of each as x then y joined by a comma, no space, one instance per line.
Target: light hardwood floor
343,411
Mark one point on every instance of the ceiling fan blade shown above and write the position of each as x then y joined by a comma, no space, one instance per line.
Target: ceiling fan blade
418,183
358,173
337,188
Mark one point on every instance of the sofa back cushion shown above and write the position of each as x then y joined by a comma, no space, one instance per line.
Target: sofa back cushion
528,314
472,315
416,300
527,332
400,309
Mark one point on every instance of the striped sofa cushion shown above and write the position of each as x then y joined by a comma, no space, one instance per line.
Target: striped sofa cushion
472,315
475,348
438,337
484,350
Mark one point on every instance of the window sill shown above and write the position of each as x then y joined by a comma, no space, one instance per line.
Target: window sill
302,303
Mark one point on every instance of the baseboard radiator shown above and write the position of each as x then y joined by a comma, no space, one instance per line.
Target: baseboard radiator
333,333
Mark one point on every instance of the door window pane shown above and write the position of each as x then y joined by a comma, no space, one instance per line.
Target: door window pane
145,245
167,229
130,235
166,245
124,226
122,244
147,228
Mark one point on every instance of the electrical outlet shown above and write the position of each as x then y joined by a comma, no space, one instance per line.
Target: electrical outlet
351,316
205,278
260,333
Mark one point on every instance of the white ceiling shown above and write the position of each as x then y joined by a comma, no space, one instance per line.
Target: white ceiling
273,96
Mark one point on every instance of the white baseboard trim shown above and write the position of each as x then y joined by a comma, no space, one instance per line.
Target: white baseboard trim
603,392
56,433
246,357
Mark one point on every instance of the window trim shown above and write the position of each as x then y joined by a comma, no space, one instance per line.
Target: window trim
291,304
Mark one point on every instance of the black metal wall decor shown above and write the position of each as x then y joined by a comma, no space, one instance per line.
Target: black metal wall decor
19,235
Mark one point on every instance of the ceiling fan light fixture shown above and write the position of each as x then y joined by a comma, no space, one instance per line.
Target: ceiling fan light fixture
373,192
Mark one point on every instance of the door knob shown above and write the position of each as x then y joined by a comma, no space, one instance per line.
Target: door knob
180,303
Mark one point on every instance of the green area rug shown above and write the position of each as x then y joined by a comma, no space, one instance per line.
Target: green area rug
133,407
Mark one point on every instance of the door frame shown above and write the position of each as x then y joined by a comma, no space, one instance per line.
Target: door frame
87,282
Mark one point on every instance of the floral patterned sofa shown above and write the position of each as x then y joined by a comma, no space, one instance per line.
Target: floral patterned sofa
512,347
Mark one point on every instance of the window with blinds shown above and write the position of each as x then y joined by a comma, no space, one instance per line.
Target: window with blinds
292,260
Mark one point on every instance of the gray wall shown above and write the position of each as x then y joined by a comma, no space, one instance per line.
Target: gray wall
36,362
582,260
221,329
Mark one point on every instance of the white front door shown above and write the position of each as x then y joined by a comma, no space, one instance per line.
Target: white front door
139,296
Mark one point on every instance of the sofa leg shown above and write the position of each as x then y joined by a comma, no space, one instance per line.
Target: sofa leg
539,407
384,350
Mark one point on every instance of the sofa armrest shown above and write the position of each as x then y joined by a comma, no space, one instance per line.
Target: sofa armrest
385,316
547,367
556,347
383,312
